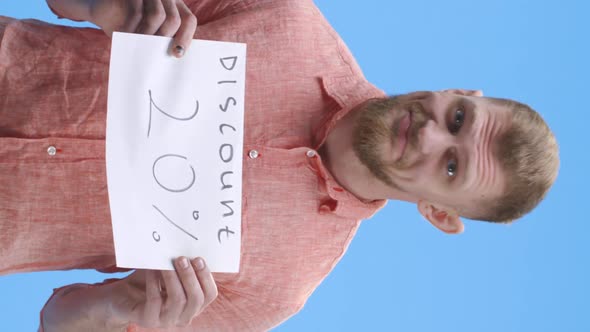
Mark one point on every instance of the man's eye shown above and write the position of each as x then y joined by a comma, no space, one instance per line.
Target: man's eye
451,168
457,121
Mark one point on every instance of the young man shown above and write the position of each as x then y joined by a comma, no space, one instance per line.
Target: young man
323,149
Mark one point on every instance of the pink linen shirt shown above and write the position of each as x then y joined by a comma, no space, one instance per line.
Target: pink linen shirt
297,220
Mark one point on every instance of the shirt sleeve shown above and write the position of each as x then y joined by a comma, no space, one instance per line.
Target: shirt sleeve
231,311
211,10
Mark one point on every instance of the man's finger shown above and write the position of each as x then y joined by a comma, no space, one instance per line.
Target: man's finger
172,21
194,294
134,15
153,305
175,299
206,280
153,17
186,32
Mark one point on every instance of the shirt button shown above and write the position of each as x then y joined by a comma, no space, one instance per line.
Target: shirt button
253,154
311,153
51,150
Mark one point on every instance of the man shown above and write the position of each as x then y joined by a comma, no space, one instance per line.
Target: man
323,152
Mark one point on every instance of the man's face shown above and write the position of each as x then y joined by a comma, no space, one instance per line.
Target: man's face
434,146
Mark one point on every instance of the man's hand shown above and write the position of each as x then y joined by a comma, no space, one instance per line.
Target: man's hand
169,18
148,298
163,299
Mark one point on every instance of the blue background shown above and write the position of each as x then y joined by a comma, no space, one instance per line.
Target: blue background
401,274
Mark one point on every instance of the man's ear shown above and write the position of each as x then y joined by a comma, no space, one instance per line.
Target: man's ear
463,92
445,219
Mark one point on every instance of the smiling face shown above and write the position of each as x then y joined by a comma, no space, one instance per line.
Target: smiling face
437,147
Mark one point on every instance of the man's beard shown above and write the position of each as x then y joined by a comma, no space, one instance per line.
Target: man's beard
373,131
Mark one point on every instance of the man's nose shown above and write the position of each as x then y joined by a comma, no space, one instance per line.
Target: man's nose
434,138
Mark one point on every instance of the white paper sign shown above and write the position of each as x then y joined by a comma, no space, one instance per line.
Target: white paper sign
174,151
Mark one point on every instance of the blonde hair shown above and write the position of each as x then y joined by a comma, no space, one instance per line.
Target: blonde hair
528,155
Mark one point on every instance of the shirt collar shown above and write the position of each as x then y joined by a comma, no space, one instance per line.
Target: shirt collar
348,92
